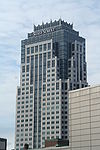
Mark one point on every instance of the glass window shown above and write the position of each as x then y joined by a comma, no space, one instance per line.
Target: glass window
28,59
48,103
49,55
48,94
53,93
49,46
40,48
31,89
53,63
36,49
57,102
48,89
32,50
27,68
57,107
23,68
57,112
44,87
57,86
57,92
19,91
28,50
44,47
48,64
65,86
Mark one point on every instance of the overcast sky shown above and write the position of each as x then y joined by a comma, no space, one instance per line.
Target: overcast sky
16,20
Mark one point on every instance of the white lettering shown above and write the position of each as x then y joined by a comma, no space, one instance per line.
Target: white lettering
44,31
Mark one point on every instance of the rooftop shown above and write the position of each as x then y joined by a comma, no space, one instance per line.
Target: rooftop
53,24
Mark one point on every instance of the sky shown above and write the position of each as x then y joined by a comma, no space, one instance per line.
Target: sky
16,20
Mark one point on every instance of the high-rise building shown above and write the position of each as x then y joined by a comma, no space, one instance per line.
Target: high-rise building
52,63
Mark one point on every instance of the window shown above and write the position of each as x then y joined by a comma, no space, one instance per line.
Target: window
53,75
48,94
53,112
44,87
52,103
32,50
28,59
49,55
27,68
48,103
53,63
57,122
57,86
53,93
57,107
23,68
48,64
53,79
52,132
57,102
57,92
28,50
48,113
57,127
57,117
40,48
19,91
36,49
48,89
49,46
31,89
52,127
52,117
48,98
44,47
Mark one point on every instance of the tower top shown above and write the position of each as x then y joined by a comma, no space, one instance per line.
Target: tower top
55,23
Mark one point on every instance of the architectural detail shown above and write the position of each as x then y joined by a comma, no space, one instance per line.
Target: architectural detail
52,63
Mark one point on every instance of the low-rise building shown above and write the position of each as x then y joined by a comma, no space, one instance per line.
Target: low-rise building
84,118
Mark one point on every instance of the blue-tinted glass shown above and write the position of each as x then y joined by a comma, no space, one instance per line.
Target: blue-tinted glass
48,65
49,55
53,63
32,50
40,48
49,46
44,47
36,49
28,50
28,59
27,68
23,68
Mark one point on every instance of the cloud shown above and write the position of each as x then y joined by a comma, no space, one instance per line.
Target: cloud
16,20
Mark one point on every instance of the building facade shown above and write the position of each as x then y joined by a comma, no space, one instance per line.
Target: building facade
52,63
84,119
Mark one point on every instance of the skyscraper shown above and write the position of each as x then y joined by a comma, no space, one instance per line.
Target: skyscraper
52,63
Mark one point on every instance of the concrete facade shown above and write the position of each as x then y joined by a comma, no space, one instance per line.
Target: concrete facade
84,118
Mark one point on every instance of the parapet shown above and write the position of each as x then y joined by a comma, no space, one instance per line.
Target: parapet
53,24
